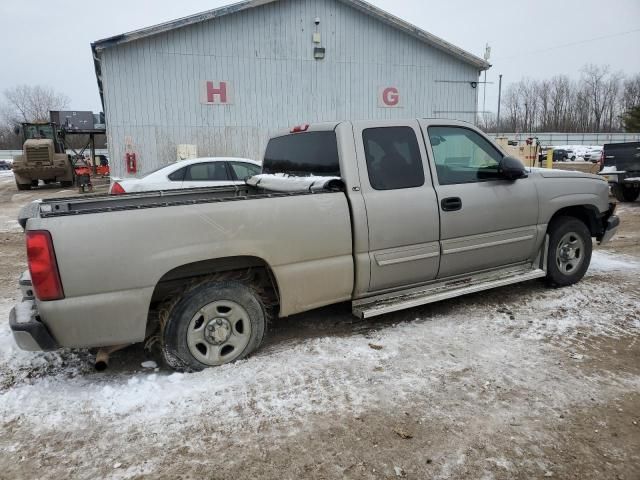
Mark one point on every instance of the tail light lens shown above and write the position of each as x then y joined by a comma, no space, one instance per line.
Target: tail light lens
116,189
300,128
43,266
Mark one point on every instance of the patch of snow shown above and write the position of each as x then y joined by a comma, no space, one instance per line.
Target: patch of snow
286,183
608,262
8,224
150,364
610,169
632,179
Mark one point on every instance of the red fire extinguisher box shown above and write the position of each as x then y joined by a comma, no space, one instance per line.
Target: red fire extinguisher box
132,162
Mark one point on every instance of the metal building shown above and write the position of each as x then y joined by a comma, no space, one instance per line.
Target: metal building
224,79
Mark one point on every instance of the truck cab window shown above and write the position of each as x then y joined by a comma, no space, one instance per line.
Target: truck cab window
303,155
463,156
393,158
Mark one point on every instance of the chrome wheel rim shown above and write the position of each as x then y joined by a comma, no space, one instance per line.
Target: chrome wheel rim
219,332
570,253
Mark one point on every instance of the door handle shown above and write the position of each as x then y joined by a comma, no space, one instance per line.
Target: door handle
451,204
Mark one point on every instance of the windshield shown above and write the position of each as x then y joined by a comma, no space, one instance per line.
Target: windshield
38,132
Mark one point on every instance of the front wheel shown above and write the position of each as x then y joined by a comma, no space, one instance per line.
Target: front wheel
570,248
625,194
213,324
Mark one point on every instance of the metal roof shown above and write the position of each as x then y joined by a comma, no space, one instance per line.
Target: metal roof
360,5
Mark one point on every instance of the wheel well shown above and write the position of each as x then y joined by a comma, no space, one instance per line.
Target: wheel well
254,270
588,214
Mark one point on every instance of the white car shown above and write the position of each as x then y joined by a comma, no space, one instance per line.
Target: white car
199,172
594,155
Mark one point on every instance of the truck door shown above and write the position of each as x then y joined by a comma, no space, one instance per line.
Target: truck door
401,205
486,221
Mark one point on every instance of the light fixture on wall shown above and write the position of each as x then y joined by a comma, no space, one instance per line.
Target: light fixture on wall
319,51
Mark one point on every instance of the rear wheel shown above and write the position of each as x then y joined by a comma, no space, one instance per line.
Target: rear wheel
23,186
213,324
625,194
34,183
66,183
570,248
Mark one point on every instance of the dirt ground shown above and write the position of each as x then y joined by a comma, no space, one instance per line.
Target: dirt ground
518,383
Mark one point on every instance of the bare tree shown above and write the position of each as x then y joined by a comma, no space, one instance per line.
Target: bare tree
598,89
26,103
595,103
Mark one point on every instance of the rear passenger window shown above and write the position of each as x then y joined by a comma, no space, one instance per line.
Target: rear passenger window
207,172
393,158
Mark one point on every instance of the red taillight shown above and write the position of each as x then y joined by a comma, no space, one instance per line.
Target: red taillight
300,128
43,267
117,189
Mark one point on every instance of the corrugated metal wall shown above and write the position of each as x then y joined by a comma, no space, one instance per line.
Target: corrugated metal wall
152,87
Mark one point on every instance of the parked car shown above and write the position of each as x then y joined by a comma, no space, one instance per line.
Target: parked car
200,172
4,165
388,215
594,155
563,155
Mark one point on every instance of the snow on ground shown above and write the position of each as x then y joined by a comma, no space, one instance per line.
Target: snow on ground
490,343
609,262
9,225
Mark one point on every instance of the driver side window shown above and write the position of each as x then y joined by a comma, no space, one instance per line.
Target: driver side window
463,156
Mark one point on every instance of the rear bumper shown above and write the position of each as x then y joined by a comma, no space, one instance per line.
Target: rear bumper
30,333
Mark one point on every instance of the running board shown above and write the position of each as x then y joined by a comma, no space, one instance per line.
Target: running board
392,302
379,305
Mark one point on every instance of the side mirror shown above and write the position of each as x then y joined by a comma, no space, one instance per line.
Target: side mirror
512,169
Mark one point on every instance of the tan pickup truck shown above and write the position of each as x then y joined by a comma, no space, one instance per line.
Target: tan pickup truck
385,215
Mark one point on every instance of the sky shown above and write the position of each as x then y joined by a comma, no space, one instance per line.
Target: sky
48,43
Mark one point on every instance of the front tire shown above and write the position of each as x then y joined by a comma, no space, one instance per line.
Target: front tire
625,194
213,324
570,248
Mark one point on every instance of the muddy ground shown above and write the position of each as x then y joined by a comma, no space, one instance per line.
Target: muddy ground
517,383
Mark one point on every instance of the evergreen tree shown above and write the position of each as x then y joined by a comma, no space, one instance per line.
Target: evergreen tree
631,119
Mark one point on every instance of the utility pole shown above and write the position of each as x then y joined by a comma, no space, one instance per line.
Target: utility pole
487,56
499,104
